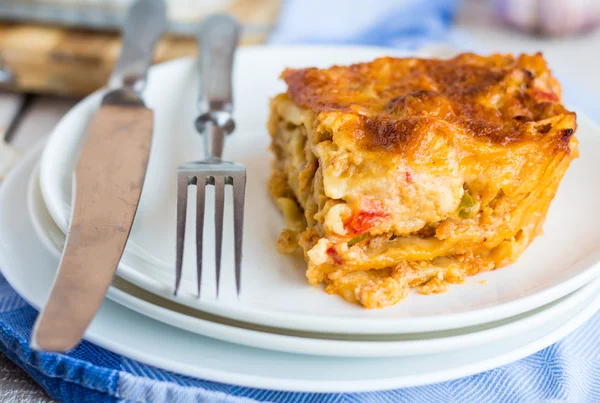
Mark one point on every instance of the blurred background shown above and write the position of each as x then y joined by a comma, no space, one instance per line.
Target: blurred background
53,52
68,46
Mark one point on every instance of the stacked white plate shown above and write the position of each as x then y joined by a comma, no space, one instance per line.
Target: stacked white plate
283,333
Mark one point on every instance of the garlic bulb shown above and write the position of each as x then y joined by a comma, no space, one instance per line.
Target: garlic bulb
549,17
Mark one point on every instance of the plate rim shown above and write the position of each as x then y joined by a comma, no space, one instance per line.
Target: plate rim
560,332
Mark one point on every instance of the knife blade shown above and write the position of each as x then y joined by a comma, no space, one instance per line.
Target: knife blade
109,176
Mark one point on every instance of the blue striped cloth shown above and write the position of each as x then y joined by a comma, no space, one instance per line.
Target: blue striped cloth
566,371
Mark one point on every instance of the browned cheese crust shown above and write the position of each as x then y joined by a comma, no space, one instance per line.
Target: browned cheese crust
413,173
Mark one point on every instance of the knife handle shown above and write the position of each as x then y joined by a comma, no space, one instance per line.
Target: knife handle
218,38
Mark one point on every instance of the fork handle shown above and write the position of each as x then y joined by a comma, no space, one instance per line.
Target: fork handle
218,38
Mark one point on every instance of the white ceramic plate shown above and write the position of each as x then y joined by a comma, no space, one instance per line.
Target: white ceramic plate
275,290
346,345
23,258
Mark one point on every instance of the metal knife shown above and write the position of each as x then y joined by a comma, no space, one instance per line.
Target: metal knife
109,176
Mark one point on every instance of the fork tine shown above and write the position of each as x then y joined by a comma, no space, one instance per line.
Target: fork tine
219,207
200,196
239,189
182,192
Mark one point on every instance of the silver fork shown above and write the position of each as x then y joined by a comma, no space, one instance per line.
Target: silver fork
218,38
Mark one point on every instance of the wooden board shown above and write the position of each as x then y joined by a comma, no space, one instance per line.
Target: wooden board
66,61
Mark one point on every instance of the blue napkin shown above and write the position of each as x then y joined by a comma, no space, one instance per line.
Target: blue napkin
400,23
566,371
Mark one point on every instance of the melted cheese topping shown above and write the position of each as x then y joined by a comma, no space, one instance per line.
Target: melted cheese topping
409,172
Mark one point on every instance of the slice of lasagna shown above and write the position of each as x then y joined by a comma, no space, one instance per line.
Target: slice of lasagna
414,173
